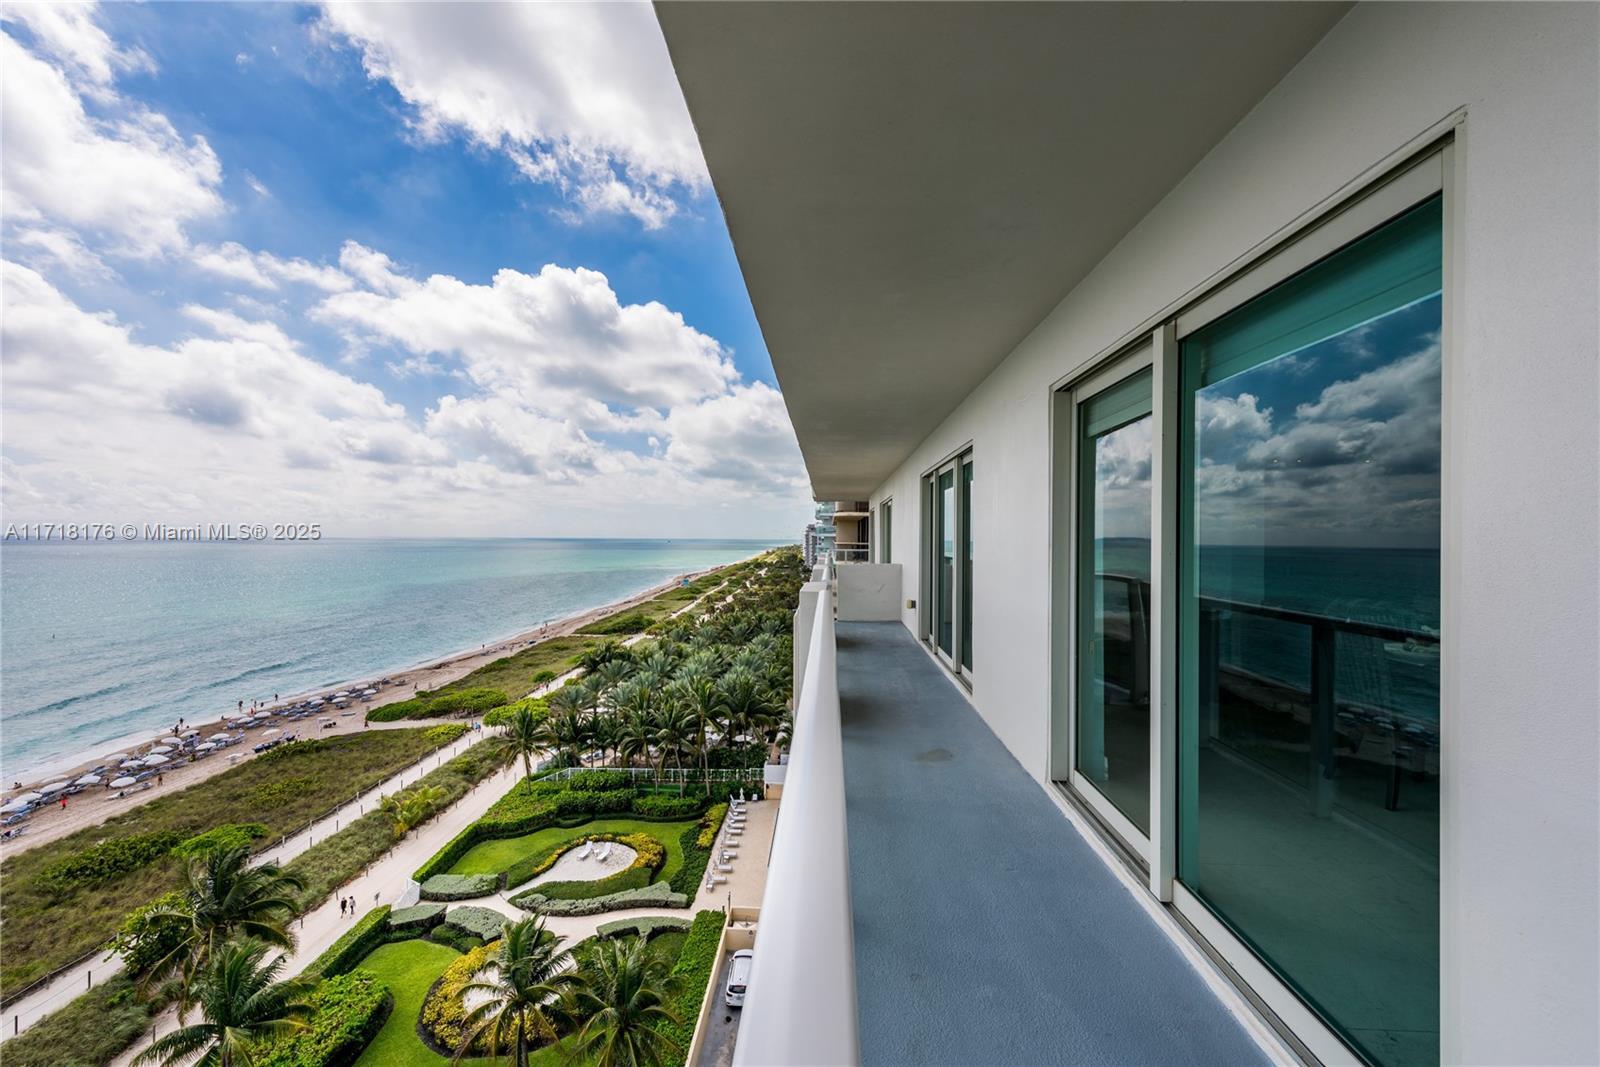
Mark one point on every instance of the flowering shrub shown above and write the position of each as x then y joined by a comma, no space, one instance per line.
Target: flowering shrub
444,1013
710,823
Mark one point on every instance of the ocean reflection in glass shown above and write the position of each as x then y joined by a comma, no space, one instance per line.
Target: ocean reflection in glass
1309,633
1113,630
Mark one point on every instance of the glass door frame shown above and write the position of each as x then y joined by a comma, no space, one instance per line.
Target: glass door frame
954,466
1430,169
1067,427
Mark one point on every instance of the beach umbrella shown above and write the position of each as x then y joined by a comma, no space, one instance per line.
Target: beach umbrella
205,747
124,782
269,733
89,779
191,733
156,760
172,740
16,805
116,757
125,764
54,787
219,737
161,750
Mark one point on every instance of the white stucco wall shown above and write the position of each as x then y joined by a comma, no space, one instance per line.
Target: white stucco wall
1521,805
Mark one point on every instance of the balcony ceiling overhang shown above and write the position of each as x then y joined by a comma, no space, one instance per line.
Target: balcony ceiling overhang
911,188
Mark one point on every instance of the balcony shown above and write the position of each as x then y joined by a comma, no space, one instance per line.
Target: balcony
928,903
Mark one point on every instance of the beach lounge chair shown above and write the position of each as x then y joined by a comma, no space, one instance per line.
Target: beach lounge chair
719,865
605,853
588,847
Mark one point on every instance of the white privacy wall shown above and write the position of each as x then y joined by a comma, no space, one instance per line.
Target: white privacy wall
1520,863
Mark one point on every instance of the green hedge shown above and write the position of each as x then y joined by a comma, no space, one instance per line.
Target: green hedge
484,923
347,1013
108,860
630,878
666,806
646,927
658,895
454,937
459,886
352,946
686,879
696,962
417,918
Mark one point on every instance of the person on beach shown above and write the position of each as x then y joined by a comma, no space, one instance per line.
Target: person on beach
160,778
63,803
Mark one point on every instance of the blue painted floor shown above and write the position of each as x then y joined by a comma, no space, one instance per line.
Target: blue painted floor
987,931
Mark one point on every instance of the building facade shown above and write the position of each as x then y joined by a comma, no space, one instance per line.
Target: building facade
1267,544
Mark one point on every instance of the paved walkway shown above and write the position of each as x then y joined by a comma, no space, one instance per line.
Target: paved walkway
986,929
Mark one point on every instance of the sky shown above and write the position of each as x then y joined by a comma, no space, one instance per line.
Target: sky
400,270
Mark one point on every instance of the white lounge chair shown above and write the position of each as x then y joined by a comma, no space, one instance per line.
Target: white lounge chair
588,847
605,853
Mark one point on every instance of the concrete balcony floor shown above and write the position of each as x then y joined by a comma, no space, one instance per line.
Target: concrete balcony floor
986,930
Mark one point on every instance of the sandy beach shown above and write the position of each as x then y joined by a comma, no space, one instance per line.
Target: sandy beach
96,804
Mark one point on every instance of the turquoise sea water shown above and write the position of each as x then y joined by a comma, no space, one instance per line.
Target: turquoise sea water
102,641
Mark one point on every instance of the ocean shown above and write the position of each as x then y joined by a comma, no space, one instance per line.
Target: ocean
103,642
1396,587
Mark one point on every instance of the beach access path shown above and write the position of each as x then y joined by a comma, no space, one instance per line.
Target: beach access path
95,806
423,843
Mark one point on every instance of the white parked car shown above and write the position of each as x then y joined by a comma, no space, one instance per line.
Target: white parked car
738,978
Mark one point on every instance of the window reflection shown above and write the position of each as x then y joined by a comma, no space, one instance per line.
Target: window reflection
1309,816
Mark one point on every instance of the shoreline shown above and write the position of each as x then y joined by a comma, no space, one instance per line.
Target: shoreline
98,803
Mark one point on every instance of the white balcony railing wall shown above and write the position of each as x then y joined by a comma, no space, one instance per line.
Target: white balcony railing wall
801,1005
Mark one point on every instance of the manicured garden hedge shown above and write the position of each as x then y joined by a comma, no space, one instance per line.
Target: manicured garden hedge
483,923
696,843
416,919
651,855
658,895
646,927
459,886
696,962
443,1017
347,1012
353,945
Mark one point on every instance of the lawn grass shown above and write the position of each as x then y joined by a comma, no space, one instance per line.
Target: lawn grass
492,857
46,929
514,673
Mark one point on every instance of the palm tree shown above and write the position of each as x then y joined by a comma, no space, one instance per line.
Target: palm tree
523,730
568,700
675,727
624,998
699,696
531,975
635,735
408,810
243,1006
749,704
223,897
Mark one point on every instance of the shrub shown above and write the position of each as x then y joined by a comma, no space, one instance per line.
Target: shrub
347,1013
686,879
85,1032
651,854
444,1013
659,894
455,937
484,923
545,677
598,781
502,715
667,806
415,708
272,794
220,838
459,886
582,802
142,939
646,927
696,960
444,733
710,823
629,623
353,945
417,918
107,860
297,750
473,701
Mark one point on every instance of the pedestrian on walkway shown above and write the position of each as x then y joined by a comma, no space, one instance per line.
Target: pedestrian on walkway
341,907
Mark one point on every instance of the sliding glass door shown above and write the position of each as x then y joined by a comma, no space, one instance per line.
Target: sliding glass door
1111,710
1308,633
948,556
